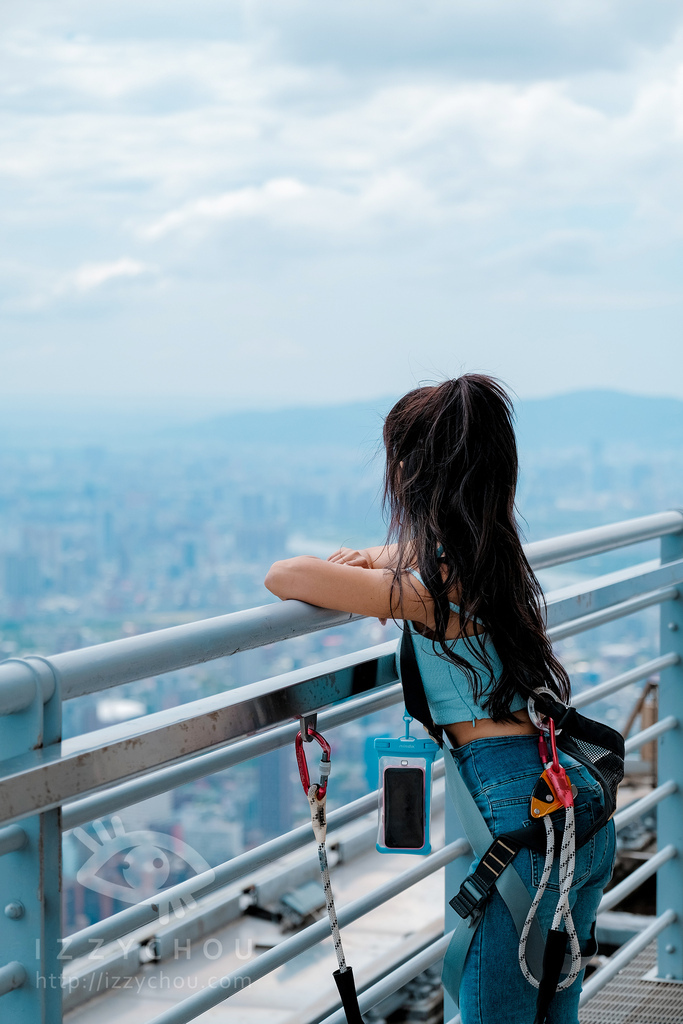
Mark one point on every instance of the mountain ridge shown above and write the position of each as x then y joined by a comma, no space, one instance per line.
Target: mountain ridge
585,418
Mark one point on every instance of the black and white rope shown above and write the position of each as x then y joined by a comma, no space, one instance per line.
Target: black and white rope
562,911
547,868
331,912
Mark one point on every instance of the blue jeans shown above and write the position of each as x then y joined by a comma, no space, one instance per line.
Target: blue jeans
500,773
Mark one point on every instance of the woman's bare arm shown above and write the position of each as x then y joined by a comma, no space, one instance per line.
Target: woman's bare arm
350,588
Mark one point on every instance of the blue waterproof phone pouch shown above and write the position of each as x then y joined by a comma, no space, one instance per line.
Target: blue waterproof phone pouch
405,792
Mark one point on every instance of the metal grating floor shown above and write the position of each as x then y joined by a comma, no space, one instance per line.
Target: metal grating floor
628,999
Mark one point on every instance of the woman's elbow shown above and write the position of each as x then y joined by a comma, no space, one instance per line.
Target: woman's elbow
288,578
275,580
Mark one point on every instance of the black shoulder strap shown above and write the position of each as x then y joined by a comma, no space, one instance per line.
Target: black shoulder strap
414,695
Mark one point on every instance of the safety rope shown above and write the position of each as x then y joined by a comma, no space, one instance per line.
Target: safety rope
562,911
329,902
317,799
558,792
547,868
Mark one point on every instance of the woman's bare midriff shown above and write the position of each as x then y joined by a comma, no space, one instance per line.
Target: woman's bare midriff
463,732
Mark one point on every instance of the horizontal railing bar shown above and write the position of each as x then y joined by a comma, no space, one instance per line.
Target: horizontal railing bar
98,977
78,812
396,979
12,838
137,789
615,611
646,803
542,554
92,669
44,778
30,785
285,951
625,955
652,732
633,675
594,595
636,878
12,975
148,911
31,767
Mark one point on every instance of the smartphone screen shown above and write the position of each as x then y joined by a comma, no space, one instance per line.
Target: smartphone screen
404,808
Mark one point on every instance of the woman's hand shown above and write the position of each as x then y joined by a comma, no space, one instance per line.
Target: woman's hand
350,588
349,556
381,557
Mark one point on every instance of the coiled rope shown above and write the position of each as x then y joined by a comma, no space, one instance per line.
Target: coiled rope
562,911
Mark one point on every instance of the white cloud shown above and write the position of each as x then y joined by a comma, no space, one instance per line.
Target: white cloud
289,203
246,202
84,282
90,276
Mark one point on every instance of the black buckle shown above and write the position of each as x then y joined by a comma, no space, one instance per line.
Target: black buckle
472,895
475,889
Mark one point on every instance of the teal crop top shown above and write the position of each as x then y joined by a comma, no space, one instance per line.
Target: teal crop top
447,688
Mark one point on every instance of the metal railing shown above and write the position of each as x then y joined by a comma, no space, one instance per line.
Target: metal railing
48,785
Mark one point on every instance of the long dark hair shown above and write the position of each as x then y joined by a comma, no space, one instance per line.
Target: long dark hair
451,475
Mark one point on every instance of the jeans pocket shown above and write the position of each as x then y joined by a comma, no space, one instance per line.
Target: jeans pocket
508,815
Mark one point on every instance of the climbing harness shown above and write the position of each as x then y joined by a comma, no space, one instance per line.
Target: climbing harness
316,795
596,746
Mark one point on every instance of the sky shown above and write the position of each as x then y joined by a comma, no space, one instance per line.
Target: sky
277,202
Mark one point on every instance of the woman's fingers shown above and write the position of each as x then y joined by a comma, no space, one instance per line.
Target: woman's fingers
338,556
342,555
349,556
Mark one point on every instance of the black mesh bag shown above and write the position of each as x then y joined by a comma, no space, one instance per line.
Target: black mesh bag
593,744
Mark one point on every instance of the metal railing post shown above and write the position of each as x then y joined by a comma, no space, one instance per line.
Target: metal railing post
454,875
30,876
670,766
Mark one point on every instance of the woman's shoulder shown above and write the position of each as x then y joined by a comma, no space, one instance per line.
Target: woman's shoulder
415,573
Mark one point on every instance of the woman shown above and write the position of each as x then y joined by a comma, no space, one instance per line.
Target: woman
454,570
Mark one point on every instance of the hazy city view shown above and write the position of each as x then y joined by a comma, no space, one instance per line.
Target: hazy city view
120,532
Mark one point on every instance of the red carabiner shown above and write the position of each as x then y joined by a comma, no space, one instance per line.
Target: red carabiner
553,746
303,766
554,773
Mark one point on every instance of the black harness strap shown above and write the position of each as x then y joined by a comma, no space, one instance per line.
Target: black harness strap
414,696
476,888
